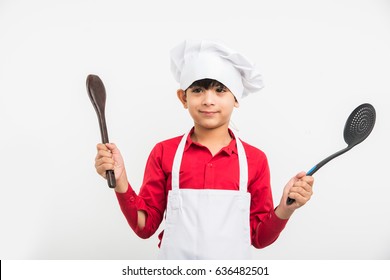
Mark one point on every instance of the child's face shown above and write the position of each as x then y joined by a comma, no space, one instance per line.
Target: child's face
209,108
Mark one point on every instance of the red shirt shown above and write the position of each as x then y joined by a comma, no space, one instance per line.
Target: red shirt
200,170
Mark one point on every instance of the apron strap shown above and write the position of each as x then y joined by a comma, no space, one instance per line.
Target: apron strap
177,162
243,163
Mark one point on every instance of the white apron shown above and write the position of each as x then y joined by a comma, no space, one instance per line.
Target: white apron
207,223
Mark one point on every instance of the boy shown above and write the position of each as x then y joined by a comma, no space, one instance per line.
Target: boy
214,188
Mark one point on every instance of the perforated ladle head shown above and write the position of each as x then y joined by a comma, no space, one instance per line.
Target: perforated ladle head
357,128
359,124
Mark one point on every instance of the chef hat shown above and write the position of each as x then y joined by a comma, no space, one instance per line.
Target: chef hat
196,60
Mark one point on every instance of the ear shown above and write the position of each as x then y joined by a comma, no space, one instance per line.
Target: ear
182,97
236,104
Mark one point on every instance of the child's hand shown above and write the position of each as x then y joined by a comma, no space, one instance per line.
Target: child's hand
299,188
109,158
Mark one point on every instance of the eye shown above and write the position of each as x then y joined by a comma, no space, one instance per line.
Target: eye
196,90
220,89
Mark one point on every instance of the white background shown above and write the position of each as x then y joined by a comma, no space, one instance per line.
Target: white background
319,59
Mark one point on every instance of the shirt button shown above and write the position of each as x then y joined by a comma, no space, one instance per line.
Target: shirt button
210,165
132,198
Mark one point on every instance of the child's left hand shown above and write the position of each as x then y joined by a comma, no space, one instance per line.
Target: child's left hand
299,188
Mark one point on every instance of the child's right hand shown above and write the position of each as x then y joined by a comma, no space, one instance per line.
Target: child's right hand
109,158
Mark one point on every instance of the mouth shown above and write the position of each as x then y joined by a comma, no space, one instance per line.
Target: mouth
208,113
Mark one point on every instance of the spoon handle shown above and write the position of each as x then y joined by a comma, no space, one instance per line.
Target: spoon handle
111,178
316,167
104,134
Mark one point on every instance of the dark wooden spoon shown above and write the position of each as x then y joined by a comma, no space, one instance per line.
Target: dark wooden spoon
97,94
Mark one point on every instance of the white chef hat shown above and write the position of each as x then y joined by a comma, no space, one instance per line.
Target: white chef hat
195,60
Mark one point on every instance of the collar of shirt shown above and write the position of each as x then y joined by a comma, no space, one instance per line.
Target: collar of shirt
229,149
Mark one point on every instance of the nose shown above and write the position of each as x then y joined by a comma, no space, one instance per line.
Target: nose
208,98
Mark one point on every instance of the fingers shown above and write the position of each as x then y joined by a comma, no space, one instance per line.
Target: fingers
106,147
104,158
302,189
299,191
102,169
300,175
105,162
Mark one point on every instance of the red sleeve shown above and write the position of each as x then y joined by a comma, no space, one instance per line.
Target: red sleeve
151,199
265,225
